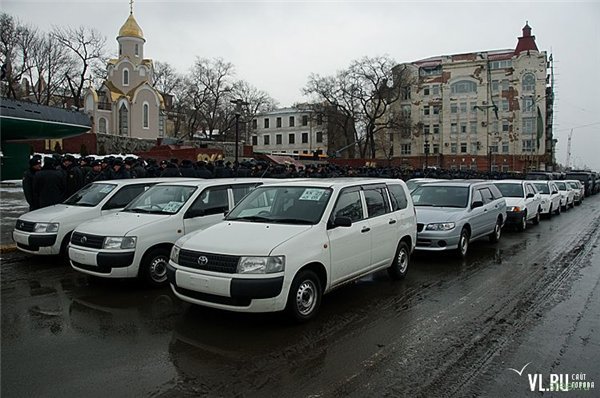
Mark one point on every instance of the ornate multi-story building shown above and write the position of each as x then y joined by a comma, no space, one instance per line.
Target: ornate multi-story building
127,104
487,110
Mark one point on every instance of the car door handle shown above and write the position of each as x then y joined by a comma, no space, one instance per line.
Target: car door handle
392,222
365,229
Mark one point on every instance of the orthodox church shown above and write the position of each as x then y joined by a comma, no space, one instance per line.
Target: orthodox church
127,104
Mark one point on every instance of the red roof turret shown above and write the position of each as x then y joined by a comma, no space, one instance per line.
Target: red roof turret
526,42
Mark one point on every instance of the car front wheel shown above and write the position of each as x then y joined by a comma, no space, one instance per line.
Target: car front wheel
463,243
536,219
523,223
154,267
495,235
400,264
304,298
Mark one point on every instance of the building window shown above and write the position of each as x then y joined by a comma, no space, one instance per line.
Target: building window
137,50
453,108
453,147
495,86
436,129
126,77
436,148
406,110
505,147
426,91
507,63
305,138
266,139
528,104
426,130
435,89
473,127
505,107
102,125
254,140
266,122
505,126
529,82
254,124
305,120
426,110
123,117
463,127
436,109
120,50
278,139
319,136
319,119
463,147
472,108
463,87
405,93
278,122
292,138
505,85
162,116
474,148
463,107
528,125
453,128
527,145
405,149
291,121
146,115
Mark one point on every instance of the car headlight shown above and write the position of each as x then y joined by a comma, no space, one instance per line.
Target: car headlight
119,242
45,227
261,265
444,226
175,254
514,208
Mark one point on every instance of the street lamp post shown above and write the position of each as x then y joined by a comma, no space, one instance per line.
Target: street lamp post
238,112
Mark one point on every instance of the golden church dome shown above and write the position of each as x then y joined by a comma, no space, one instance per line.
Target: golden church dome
131,28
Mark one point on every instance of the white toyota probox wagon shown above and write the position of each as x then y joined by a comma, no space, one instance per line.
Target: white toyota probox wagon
285,245
47,231
137,240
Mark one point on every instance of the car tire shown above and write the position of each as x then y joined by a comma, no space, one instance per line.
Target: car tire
550,212
523,223
536,219
64,248
463,243
304,298
495,235
154,267
401,262
558,209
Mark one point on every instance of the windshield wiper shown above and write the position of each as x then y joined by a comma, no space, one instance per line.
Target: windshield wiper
250,218
137,210
81,204
424,204
291,221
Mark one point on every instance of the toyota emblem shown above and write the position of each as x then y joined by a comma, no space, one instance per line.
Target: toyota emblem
202,260
83,239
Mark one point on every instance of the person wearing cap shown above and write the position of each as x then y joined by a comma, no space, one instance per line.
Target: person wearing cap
186,169
118,171
171,170
35,165
49,185
95,173
73,174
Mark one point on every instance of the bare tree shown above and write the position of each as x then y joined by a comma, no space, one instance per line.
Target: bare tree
16,41
364,93
171,83
49,61
257,101
210,88
87,48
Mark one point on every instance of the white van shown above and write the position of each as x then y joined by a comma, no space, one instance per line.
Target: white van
137,240
47,231
287,244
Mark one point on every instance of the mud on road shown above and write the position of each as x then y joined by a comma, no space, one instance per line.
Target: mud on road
451,328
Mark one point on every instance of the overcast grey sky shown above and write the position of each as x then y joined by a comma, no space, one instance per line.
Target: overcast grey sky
275,45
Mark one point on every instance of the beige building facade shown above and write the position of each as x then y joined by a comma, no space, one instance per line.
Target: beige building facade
127,104
488,110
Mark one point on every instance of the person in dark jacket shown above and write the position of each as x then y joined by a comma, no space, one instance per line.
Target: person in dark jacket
35,165
95,173
73,174
202,171
49,185
171,171
118,171
138,168
187,169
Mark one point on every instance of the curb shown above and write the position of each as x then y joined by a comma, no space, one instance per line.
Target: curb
8,248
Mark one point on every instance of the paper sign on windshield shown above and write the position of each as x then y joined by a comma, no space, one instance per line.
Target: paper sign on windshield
172,207
312,194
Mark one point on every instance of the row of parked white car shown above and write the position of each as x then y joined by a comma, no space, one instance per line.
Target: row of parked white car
264,245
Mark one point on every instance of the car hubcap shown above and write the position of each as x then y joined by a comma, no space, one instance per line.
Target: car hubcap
158,269
498,231
402,261
306,297
463,245
524,222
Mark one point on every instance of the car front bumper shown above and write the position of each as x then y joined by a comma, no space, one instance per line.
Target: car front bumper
102,263
44,244
438,240
514,217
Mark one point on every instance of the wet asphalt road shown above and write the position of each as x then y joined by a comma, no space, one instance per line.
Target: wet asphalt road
451,328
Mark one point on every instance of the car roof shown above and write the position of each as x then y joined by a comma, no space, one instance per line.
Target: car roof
338,182
457,183
131,181
197,182
512,181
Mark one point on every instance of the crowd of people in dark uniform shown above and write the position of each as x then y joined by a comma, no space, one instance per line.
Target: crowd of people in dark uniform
58,177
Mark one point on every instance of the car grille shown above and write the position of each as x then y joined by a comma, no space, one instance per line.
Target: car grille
211,298
213,262
420,227
424,242
26,226
86,240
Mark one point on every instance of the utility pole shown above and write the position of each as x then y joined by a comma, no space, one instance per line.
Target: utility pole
238,112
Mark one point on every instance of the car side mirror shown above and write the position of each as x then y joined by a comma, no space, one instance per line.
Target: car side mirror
191,213
530,195
225,213
476,204
342,222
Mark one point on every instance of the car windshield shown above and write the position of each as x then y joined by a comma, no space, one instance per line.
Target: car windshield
510,190
161,199
90,195
574,185
440,196
543,188
285,205
561,185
